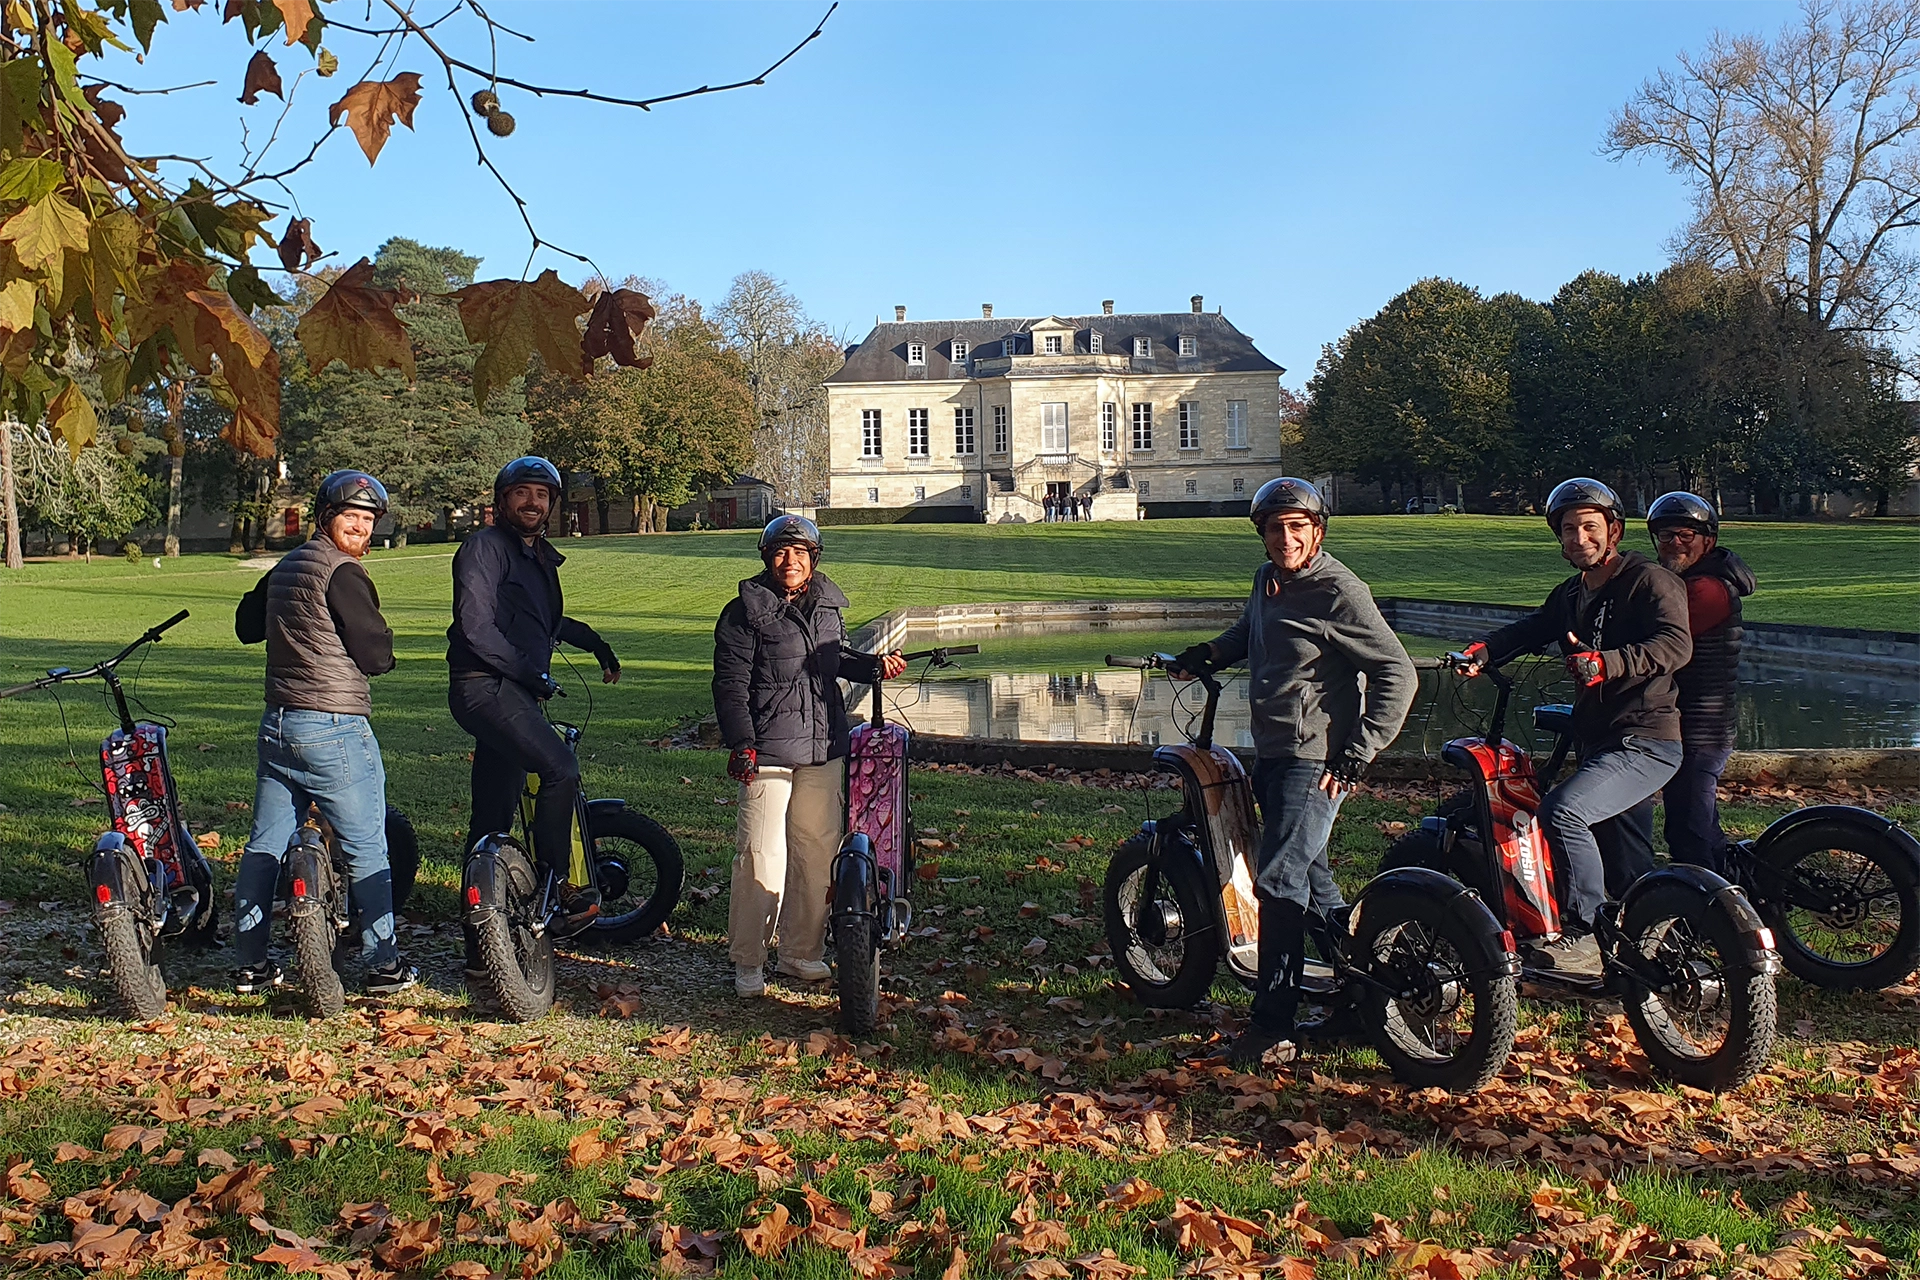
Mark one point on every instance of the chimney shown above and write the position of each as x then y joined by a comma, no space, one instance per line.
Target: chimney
1106,306
986,311
1196,306
900,313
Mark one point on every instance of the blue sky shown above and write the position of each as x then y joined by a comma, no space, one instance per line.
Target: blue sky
1296,164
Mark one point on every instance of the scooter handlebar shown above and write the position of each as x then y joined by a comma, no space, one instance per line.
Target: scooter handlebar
1136,664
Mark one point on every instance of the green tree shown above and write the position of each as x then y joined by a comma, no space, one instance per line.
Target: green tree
426,441
653,434
96,495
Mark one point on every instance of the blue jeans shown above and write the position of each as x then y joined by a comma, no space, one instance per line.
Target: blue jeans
333,762
1296,817
1607,785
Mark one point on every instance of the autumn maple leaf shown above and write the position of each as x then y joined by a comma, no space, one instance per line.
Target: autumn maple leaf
355,323
618,317
515,318
372,106
262,77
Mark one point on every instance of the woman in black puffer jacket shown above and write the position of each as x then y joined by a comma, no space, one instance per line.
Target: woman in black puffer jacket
779,650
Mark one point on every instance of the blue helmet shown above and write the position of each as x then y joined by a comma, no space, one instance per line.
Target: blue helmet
341,490
528,470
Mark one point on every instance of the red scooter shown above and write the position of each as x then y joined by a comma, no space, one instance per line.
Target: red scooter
1683,950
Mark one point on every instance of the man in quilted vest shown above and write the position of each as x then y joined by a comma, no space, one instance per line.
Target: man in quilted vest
320,617
779,651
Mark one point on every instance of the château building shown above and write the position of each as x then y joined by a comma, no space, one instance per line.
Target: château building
1162,413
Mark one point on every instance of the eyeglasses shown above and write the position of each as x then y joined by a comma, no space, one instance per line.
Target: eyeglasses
1679,535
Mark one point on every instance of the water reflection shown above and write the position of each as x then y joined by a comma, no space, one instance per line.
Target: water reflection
1778,709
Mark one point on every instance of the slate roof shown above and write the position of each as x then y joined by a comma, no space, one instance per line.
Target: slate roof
882,355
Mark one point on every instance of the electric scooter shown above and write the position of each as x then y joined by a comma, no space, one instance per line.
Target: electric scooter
150,883
872,875
1428,967
1683,950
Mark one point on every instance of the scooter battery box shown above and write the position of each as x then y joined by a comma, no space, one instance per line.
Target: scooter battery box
877,796
139,789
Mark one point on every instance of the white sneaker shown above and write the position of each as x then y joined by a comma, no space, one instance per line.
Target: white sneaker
805,970
749,982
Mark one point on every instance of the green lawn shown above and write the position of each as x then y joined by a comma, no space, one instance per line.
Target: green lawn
1017,1043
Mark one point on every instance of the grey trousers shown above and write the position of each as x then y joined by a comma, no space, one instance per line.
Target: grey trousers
1607,784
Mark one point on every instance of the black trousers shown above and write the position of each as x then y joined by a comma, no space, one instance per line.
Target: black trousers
510,740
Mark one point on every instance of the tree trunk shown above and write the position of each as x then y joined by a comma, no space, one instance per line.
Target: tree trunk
237,536
399,535
635,521
600,501
1460,495
16,555
174,468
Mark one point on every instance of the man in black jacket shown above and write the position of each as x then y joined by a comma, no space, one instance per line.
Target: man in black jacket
320,617
1621,624
507,616
779,650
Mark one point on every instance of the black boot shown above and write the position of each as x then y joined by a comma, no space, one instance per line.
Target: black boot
1276,996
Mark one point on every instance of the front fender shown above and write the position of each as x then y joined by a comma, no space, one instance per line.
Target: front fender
1864,820
1459,898
853,881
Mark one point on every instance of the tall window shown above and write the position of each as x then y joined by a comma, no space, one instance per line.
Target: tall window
920,491
1053,428
916,433
1142,348
1096,342
870,433
999,428
1109,427
1236,424
1142,426
963,431
1053,344
1188,346
873,495
1193,486
959,351
1239,484
1146,487
916,353
1189,424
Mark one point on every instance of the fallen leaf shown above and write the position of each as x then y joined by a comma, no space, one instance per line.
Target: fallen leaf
769,1237
589,1148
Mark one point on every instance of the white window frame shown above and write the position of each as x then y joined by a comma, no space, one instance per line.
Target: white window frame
917,433
1237,424
873,496
1143,425
1097,342
959,351
870,421
963,441
1109,427
1143,348
1000,428
1053,426
916,353
1053,345
1189,424
1189,345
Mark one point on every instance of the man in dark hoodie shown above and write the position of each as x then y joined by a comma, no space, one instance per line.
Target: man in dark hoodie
1330,687
1621,624
779,650
1686,533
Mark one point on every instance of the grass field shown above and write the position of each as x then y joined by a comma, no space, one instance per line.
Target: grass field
1015,1086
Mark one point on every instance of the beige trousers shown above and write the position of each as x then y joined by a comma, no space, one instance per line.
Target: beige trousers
789,826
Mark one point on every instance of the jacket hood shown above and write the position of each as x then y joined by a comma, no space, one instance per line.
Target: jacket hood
763,601
1726,565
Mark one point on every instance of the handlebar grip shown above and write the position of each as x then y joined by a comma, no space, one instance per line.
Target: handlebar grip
1431,664
28,687
1136,664
174,621
962,649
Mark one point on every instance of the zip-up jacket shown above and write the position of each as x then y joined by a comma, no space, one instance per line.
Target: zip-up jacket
319,614
1637,622
1328,679
776,672
1709,685
508,611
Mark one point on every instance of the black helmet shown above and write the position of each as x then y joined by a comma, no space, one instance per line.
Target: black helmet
1681,507
527,470
1287,493
1582,491
788,531
343,489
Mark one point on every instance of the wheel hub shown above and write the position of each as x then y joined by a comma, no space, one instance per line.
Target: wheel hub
614,877
1159,923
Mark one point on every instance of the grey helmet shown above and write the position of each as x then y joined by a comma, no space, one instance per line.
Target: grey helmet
1681,507
1582,491
341,490
787,531
1287,493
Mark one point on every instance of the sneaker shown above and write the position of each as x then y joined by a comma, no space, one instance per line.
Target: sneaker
392,980
805,970
579,907
1257,1046
749,980
1341,1024
257,980
1574,955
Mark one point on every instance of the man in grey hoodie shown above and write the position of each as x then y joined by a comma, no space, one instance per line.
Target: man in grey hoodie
1330,688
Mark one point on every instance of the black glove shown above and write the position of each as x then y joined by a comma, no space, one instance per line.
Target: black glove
545,687
1195,660
603,654
1349,770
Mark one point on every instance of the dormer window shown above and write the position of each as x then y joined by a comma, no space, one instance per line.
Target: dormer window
1188,346
916,353
959,351
1143,348
1053,344
1096,342
1008,345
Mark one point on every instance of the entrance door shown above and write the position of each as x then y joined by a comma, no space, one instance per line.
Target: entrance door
1058,491
722,513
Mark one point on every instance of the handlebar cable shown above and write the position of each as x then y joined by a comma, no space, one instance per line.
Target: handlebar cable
133,694
67,732
588,718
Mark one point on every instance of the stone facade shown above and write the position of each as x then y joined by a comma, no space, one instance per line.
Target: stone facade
1132,410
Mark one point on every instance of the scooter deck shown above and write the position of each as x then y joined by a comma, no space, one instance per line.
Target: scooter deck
1547,984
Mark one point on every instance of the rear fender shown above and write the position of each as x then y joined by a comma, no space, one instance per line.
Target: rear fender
307,872
105,873
1459,900
1868,823
1716,894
